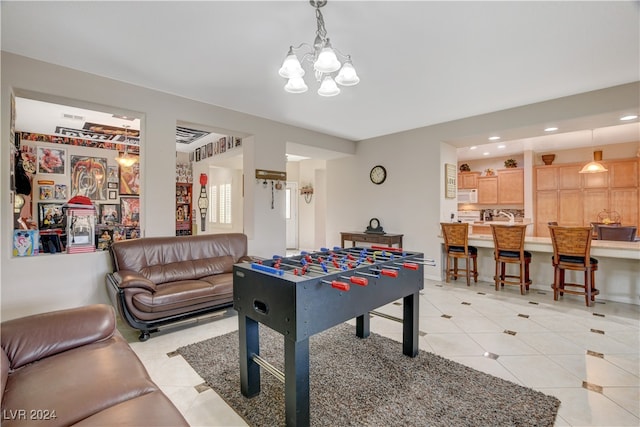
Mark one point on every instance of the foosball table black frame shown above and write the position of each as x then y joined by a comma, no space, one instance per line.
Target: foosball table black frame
299,306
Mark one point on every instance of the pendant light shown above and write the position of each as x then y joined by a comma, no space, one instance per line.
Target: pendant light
124,159
595,166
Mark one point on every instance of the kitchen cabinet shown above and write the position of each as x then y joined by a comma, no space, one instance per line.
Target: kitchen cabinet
481,229
468,180
488,190
576,199
569,177
511,186
546,178
623,173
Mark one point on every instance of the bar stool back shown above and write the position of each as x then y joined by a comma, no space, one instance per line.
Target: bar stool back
572,251
508,241
456,246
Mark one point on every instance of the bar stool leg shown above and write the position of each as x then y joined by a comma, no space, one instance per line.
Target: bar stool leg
448,269
496,277
587,286
475,269
455,268
522,277
468,262
556,282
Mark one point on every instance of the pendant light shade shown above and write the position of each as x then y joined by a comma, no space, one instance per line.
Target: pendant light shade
595,166
328,87
296,85
327,61
291,67
347,75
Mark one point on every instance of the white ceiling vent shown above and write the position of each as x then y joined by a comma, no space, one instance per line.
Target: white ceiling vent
72,117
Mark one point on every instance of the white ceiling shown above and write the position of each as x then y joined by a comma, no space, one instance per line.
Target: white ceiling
419,62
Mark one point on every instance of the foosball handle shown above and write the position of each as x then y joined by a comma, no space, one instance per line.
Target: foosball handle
361,281
267,269
389,273
410,265
337,285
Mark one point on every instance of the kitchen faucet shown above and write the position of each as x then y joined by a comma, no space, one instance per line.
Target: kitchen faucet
508,215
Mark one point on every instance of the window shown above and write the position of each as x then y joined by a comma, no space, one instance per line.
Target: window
220,204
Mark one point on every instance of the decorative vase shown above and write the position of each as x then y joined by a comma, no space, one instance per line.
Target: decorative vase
548,158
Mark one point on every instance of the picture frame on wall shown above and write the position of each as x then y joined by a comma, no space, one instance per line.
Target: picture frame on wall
112,176
130,178
112,185
130,211
52,160
109,214
50,215
88,177
450,181
113,194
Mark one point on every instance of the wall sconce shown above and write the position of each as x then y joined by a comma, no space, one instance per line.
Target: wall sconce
307,192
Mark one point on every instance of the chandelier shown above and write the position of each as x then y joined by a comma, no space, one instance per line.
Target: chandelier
124,159
325,62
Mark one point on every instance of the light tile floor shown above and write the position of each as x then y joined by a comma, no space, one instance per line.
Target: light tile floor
587,357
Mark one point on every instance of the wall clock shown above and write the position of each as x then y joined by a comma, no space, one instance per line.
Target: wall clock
378,174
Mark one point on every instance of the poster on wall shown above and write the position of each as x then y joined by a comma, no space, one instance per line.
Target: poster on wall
50,215
109,214
88,177
130,178
52,160
130,211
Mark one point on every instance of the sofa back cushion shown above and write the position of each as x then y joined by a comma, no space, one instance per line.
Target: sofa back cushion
167,259
4,367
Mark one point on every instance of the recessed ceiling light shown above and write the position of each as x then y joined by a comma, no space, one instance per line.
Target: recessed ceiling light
551,129
501,146
473,147
629,117
494,138
486,153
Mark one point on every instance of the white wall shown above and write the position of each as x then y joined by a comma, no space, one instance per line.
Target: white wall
49,282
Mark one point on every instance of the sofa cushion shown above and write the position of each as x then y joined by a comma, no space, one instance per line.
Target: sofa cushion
4,368
188,269
185,293
78,383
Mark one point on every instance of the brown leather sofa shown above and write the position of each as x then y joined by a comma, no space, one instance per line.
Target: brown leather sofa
161,280
72,367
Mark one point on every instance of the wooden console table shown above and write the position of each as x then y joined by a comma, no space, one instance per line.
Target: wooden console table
382,239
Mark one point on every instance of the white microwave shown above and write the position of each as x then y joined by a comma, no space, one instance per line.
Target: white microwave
468,196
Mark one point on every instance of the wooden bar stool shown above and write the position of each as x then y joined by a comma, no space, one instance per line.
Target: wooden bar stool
456,246
572,251
509,249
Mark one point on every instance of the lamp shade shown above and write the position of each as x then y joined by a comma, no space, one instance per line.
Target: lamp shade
347,75
291,67
328,87
595,166
296,85
327,61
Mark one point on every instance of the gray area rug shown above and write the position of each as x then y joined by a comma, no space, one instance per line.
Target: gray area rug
369,382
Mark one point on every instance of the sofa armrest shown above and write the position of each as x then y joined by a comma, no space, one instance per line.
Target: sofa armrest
35,337
132,279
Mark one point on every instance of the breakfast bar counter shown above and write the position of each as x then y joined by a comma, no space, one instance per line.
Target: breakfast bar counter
617,278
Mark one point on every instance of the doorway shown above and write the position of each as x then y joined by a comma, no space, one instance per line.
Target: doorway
291,215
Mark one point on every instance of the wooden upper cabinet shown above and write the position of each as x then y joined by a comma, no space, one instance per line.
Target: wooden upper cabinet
468,180
511,186
546,211
569,177
596,180
570,213
625,202
488,190
594,202
624,174
546,178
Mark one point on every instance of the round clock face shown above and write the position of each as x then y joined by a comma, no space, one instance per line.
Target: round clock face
378,174
374,223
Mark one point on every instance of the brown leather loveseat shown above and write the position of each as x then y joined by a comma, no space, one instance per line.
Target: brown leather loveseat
161,280
72,367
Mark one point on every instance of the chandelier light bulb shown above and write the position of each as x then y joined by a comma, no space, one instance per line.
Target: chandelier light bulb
327,61
328,87
296,85
347,75
291,67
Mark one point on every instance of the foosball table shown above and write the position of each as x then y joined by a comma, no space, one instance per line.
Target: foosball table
302,295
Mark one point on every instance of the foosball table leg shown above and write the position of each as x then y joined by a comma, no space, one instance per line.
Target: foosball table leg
249,345
363,325
296,382
410,324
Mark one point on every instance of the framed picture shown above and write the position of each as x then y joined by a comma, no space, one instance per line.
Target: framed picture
109,214
112,185
113,194
450,181
46,192
60,192
88,177
50,215
130,211
52,160
130,178
112,176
